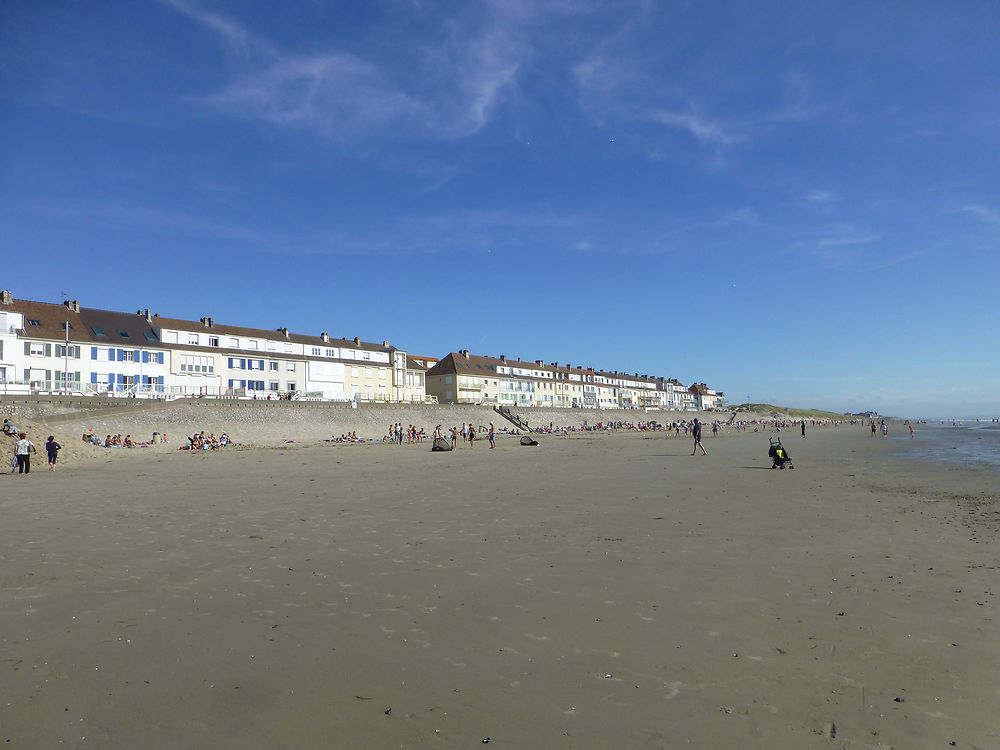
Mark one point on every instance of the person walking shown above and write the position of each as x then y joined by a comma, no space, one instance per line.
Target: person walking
23,450
472,435
493,436
696,433
52,448
803,428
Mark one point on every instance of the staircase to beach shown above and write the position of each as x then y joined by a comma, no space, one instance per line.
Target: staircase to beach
515,420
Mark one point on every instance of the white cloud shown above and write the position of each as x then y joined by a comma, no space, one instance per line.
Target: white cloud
983,213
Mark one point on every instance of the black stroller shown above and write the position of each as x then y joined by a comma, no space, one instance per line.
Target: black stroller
779,455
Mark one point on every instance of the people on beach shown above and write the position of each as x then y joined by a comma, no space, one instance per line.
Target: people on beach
23,449
52,448
803,428
493,436
9,429
454,437
472,436
696,434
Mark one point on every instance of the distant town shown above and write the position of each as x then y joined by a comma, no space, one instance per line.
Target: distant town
68,349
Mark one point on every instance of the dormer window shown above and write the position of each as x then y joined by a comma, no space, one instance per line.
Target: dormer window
34,322
124,334
98,331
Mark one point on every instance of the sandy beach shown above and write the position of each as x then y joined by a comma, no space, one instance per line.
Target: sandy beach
600,590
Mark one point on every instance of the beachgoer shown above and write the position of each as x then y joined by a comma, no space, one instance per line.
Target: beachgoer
911,431
803,428
52,448
9,429
696,433
454,437
23,450
472,436
493,436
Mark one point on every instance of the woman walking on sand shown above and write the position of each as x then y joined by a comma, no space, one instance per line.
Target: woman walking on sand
23,450
52,448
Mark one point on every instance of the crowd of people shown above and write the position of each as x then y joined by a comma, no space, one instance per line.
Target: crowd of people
200,441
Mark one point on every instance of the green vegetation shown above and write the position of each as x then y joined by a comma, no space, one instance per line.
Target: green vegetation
771,409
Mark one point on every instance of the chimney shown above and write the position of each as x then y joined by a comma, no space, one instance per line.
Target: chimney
357,340
503,358
207,322
385,343
283,332
325,337
465,353
539,362
6,297
73,305
147,316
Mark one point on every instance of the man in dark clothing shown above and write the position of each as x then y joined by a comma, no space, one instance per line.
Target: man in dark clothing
696,432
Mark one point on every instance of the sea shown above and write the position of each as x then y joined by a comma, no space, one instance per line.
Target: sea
965,442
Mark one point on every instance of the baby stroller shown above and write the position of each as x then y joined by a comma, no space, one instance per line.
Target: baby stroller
779,455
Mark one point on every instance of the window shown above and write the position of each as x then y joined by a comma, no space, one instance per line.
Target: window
273,367
330,353
149,336
315,351
34,322
291,386
124,334
213,340
128,355
354,371
273,385
368,372
290,368
192,339
253,344
98,331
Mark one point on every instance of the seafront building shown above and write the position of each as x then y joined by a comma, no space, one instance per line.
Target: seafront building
48,348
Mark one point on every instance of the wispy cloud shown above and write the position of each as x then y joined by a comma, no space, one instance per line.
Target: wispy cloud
452,91
983,213
703,129
821,197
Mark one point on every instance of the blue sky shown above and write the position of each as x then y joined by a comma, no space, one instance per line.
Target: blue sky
793,202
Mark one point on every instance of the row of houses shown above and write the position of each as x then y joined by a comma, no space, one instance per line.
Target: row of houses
48,348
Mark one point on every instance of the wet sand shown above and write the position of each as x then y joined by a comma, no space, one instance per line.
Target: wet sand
596,591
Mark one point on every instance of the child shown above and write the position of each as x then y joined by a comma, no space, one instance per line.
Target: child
52,448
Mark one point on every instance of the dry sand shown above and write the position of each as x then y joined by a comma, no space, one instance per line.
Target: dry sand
598,591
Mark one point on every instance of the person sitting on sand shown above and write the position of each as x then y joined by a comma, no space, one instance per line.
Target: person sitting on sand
128,442
9,429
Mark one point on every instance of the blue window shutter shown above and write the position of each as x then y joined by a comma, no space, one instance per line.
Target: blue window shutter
93,378
48,350
120,355
243,364
145,357
93,352
159,361
136,356
260,364
230,367
121,377
111,355
159,380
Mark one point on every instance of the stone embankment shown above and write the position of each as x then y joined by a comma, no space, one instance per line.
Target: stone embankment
273,423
